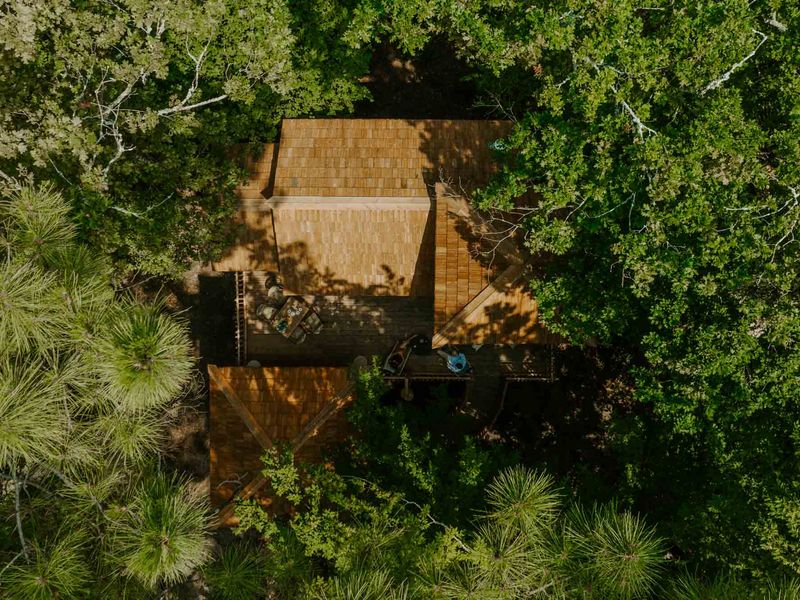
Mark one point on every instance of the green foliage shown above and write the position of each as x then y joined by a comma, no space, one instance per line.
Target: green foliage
731,588
36,222
130,437
368,585
374,544
78,433
418,451
30,315
520,493
661,146
160,536
237,573
32,416
621,554
133,107
144,359
58,570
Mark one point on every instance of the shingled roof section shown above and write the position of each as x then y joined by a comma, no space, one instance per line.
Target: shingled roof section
481,294
464,264
251,409
254,232
356,246
387,158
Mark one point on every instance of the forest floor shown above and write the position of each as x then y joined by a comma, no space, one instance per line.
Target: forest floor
433,85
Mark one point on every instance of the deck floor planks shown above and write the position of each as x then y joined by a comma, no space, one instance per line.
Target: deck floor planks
353,326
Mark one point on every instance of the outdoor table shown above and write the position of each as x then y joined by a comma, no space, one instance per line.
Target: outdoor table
290,315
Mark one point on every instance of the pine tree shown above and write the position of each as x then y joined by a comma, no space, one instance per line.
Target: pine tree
85,377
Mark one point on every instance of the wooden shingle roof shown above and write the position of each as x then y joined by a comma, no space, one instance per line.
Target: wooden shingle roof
342,206
253,231
355,247
251,409
463,266
481,291
382,157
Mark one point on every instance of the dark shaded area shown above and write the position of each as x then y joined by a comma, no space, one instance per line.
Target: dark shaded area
209,307
214,326
564,426
431,85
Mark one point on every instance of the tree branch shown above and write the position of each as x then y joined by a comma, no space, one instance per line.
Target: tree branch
773,21
727,75
10,180
181,108
18,511
641,128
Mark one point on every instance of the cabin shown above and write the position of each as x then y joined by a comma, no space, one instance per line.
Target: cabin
367,224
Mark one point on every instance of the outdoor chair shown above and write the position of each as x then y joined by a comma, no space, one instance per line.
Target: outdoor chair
265,312
298,336
312,324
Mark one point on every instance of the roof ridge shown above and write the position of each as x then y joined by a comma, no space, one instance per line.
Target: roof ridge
244,413
336,402
507,277
326,412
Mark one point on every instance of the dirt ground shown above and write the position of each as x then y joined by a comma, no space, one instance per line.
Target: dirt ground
433,85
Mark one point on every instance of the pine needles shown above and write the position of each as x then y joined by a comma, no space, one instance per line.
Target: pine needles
32,414
144,358
31,311
162,534
84,381
237,574
56,570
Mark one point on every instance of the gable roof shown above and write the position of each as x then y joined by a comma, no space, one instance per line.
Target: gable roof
251,409
355,246
342,206
387,158
481,293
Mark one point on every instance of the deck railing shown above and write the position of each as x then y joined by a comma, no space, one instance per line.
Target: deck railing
241,318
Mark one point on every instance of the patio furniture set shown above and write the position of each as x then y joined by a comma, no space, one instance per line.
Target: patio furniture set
291,316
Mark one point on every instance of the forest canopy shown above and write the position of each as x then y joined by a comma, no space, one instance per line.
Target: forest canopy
659,142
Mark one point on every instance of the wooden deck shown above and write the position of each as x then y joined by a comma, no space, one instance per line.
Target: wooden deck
353,326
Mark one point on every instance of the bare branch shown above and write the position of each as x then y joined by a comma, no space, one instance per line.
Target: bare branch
9,180
18,511
121,149
184,105
773,21
179,108
140,215
640,126
727,75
